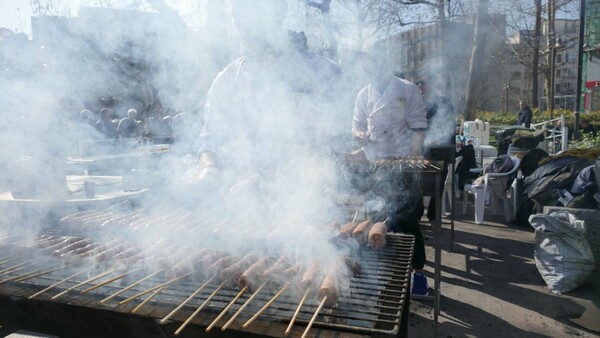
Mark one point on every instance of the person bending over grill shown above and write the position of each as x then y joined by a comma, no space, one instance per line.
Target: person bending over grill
268,114
390,121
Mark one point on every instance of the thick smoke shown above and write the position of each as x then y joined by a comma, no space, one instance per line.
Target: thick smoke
278,119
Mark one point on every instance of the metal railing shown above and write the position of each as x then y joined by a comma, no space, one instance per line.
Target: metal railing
558,140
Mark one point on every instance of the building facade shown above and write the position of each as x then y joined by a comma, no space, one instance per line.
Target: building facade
417,54
565,47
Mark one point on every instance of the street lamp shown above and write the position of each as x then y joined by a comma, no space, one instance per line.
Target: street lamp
554,47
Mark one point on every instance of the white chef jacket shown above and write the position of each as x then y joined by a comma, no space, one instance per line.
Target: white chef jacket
389,118
263,110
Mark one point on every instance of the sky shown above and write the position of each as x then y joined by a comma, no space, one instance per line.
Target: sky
15,14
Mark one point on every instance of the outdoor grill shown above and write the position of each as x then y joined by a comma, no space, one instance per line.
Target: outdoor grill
70,298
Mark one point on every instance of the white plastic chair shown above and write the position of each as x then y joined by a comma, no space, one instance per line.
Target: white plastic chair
480,192
447,194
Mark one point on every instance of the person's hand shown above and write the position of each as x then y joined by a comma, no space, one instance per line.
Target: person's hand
357,156
205,178
361,136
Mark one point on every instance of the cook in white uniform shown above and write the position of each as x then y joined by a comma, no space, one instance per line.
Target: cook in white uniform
390,121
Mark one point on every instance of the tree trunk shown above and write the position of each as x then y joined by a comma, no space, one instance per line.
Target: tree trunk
550,39
536,54
444,77
324,7
477,56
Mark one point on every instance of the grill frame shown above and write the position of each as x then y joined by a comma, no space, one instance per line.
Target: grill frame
77,313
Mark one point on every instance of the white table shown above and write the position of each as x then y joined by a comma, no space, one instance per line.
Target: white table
108,189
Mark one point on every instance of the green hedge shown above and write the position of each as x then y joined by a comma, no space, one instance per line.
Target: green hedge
496,119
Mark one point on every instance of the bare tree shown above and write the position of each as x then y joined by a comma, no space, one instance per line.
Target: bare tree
324,8
476,62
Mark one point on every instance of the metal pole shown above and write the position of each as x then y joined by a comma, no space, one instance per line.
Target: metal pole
552,78
507,95
579,68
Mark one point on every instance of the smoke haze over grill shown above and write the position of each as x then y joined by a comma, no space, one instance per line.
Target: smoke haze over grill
277,119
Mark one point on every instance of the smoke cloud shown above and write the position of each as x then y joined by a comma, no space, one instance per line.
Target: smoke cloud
278,119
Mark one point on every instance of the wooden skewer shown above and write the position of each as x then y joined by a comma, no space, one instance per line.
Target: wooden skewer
89,280
131,286
435,167
180,306
187,321
41,273
312,320
242,291
8,259
266,306
355,215
14,267
237,313
19,267
137,308
139,294
289,328
57,284
109,281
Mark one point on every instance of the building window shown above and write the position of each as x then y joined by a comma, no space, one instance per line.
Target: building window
558,88
558,58
558,73
566,57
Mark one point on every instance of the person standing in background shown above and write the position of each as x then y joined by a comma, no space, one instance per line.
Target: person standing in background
129,127
587,128
525,114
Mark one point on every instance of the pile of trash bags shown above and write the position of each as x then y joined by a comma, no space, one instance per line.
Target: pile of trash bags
570,179
562,255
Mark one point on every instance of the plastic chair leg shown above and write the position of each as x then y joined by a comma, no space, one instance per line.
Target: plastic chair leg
479,194
465,199
506,208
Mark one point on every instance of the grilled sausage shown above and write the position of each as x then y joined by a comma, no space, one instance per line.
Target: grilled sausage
377,235
309,278
215,268
76,245
251,276
277,269
292,270
66,241
83,250
329,287
347,229
361,231
234,271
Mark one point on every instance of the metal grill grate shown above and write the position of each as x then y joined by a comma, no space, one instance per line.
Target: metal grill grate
373,303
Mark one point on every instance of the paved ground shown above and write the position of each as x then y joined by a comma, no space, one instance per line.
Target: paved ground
491,288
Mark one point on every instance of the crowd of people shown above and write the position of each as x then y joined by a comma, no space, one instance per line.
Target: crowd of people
158,127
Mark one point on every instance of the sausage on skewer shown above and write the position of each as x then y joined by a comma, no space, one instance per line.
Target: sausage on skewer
309,278
361,231
329,287
377,235
347,229
251,276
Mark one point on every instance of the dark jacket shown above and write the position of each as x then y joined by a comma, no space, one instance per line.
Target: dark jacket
525,116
